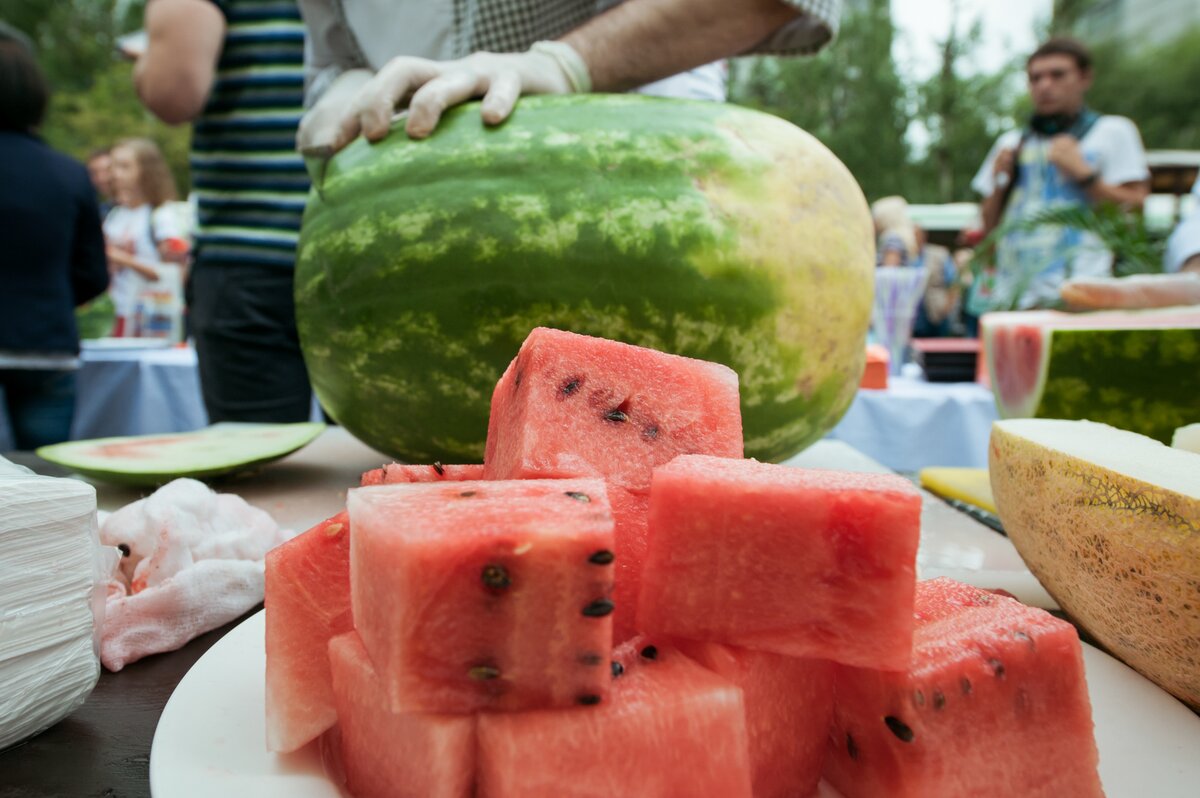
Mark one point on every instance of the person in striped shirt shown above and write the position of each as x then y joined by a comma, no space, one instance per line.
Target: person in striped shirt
235,69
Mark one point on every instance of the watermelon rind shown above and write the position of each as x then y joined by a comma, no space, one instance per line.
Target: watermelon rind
150,460
700,229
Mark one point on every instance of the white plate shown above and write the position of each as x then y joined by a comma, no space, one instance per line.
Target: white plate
211,738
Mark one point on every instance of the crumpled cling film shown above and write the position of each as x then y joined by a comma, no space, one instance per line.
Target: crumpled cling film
193,561
53,575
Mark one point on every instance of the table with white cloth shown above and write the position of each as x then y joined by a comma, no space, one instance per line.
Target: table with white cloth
138,392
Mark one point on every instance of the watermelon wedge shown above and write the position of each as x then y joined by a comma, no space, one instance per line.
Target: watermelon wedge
799,562
150,460
484,595
789,708
307,603
394,473
572,405
671,729
385,754
994,703
1135,370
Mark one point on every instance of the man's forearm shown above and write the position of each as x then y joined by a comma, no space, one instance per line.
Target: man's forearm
1130,196
641,41
990,209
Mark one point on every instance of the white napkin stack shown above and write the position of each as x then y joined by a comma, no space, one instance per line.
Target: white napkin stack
52,578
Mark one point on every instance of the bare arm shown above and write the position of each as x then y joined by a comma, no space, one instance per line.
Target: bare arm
123,260
639,42
176,72
1130,196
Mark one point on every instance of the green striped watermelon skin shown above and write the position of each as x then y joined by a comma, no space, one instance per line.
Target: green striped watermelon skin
694,228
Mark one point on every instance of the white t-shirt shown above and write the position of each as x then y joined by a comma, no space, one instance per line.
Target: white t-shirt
1031,265
135,231
1185,241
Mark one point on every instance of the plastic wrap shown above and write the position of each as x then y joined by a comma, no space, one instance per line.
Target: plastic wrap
53,575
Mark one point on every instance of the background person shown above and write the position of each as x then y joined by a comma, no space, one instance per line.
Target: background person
99,166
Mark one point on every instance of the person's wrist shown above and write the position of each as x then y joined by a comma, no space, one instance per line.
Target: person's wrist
1088,179
569,61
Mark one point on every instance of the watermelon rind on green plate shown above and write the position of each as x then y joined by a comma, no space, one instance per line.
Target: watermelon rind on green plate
217,450
701,229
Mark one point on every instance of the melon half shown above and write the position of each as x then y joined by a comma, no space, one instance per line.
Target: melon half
1109,522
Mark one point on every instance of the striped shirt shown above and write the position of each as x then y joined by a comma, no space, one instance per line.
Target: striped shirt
250,183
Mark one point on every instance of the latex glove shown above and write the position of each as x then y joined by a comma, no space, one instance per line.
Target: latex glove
321,132
499,78
1129,293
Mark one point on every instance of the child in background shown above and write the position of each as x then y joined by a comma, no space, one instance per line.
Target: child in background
147,243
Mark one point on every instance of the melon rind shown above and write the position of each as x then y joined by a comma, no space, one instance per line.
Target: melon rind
1187,438
1109,522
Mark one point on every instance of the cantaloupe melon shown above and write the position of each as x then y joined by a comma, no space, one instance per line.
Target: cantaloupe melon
1187,438
1109,522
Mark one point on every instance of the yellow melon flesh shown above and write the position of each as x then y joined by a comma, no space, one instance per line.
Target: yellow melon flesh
1109,522
1187,438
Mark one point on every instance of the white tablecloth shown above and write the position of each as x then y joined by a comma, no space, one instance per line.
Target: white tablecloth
914,424
911,425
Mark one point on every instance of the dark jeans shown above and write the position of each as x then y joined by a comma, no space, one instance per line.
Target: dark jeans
243,320
40,405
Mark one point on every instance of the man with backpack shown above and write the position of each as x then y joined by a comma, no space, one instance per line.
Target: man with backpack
1067,156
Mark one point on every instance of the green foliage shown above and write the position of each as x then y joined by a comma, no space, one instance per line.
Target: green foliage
851,97
1154,86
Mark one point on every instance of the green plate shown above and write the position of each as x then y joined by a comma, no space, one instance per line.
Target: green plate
221,449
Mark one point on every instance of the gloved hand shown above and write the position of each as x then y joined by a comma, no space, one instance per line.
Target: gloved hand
499,78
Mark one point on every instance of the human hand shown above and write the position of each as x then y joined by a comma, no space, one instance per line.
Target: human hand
433,86
1065,154
1131,293
321,132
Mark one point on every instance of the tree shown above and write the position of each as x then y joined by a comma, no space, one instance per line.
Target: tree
851,97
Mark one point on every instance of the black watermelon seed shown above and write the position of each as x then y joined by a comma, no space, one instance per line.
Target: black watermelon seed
939,699
124,547
650,652
919,698
588,700
439,468
517,380
965,684
1019,635
616,415
466,494
496,577
598,608
617,669
650,433
579,497
590,659
851,747
484,673
899,728
602,557
570,386
997,668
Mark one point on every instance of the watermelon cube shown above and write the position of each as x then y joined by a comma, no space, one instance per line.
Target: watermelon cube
816,564
994,703
572,405
485,595
789,709
630,511
307,603
386,754
398,472
672,729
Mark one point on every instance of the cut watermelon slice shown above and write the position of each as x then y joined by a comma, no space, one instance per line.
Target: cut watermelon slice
994,703
485,595
572,405
385,754
631,512
789,708
1134,370
307,603
396,473
800,562
672,728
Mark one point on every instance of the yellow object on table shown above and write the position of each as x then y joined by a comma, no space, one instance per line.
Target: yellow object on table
970,485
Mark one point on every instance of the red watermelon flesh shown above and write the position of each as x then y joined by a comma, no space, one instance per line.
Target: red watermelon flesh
806,563
573,405
307,603
994,704
789,708
630,538
672,729
485,595
393,473
386,754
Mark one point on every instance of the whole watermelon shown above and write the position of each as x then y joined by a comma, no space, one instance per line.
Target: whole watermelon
696,228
